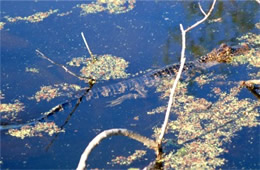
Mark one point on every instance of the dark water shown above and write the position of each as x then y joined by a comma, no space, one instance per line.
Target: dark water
148,37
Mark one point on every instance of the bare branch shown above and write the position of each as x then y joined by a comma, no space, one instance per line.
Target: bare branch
203,19
167,114
202,11
86,79
113,132
89,51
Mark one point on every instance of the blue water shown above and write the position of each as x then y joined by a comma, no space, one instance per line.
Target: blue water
147,36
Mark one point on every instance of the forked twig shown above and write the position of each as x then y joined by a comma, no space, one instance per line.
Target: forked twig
167,114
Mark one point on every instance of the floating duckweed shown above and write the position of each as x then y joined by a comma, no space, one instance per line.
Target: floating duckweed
78,61
50,92
46,93
10,111
159,109
257,25
37,17
64,13
2,95
105,68
207,78
252,58
204,127
33,70
121,160
215,20
29,131
250,38
112,6
2,25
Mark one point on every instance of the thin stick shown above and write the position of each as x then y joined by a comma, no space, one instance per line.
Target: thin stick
167,114
89,51
113,132
202,20
62,66
202,11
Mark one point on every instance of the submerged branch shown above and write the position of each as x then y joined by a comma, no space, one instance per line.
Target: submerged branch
252,86
70,114
86,79
113,132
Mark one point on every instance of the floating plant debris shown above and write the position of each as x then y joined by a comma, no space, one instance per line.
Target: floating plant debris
121,160
2,24
50,92
202,127
253,56
209,77
37,17
2,95
33,70
78,61
37,130
160,109
64,13
10,110
112,6
105,68
215,20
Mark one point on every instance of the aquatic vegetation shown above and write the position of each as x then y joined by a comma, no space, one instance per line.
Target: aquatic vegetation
64,13
2,95
37,130
2,24
10,110
253,56
112,6
121,160
203,127
33,70
37,17
215,20
46,93
207,78
160,109
105,68
78,61
50,92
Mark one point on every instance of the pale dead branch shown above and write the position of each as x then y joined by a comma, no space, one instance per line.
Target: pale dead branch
167,114
201,10
113,132
86,44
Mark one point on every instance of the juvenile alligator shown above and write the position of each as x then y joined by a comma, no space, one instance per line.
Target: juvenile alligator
223,54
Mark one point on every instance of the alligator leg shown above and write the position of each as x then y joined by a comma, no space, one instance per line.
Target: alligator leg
141,93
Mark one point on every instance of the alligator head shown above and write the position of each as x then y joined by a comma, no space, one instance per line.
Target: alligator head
224,53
